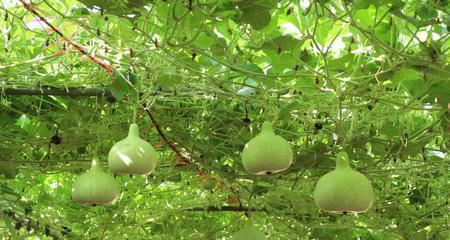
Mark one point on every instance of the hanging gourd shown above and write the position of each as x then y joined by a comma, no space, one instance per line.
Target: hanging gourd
95,187
248,232
267,152
344,190
132,155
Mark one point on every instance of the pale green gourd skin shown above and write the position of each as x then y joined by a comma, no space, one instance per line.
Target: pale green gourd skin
248,233
132,155
95,187
267,153
344,190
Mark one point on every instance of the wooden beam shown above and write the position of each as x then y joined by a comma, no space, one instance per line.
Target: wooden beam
47,91
225,209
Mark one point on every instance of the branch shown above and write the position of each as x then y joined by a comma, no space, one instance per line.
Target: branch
225,209
169,143
31,9
416,22
69,92
81,92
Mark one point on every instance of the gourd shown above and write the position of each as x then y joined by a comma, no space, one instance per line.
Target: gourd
95,187
248,232
267,152
344,190
132,155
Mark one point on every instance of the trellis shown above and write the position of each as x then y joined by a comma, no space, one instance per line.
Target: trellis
308,90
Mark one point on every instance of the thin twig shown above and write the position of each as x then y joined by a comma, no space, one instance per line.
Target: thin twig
31,9
169,143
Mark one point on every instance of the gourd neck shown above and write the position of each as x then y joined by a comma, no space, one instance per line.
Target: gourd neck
342,161
267,127
134,130
95,166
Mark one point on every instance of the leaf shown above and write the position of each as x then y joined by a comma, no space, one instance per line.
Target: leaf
390,129
197,18
168,81
378,147
361,4
427,12
343,63
82,11
261,4
283,43
258,18
364,17
203,41
248,91
122,84
383,31
410,79
280,62
251,67
440,87
285,112
218,47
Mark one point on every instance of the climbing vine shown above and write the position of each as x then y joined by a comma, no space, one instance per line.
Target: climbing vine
200,77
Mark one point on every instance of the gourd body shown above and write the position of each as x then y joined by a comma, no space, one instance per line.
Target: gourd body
248,232
132,155
95,187
267,153
344,190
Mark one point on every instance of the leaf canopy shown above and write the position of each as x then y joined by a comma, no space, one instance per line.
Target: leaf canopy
200,77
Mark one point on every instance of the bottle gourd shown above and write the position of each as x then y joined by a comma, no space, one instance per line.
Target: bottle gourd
95,187
267,152
132,155
344,190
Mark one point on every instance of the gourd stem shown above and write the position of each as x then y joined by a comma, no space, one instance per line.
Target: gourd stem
135,115
134,130
95,164
267,127
136,107
342,160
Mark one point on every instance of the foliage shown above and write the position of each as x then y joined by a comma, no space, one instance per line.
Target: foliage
367,77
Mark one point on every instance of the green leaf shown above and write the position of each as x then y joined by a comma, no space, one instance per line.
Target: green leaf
285,112
122,84
362,4
218,47
427,12
258,18
261,4
440,87
197,18
204,41
364,17
383,31
410,79
283,43
168,81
